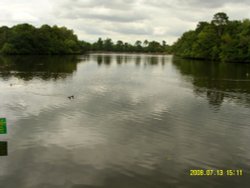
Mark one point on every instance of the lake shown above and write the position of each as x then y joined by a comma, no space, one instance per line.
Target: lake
136,121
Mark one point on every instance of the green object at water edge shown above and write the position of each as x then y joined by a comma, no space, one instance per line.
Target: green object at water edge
3,126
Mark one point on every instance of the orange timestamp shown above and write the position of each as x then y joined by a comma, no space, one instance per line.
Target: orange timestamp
229,172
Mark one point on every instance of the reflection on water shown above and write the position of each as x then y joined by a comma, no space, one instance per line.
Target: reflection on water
219,81
136,120
45,67
3,148
107,59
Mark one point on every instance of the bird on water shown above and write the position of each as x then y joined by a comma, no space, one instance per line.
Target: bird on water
71,97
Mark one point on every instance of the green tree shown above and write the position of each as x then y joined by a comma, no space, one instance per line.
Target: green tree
221,39
119,46
145,43
8,49
220,18
108,44
138,46
26,39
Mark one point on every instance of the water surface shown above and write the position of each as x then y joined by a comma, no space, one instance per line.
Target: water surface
137,121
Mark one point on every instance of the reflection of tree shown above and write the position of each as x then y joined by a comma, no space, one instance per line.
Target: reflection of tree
153,60
138,60
214,97
45,67
99,60
119,59
216,80
103,59
107,60
163,60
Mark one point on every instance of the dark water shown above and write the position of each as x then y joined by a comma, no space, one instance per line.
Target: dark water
137,121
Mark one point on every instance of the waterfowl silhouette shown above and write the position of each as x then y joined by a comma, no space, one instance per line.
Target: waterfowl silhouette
71,97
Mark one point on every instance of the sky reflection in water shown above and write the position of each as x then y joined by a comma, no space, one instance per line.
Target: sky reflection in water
136,121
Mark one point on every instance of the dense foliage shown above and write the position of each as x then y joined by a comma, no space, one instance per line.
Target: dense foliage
26,39
139,46
221,39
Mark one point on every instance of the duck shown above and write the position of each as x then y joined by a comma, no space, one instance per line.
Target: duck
71,97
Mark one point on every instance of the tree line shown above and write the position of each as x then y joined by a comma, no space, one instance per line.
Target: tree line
120,46
46,40
218,40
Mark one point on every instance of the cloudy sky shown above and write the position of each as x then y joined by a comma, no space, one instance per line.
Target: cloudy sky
127,20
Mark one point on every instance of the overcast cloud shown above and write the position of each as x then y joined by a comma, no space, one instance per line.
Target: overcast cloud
127,20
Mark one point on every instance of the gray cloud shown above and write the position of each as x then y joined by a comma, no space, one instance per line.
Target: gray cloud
94,31
213,3
121,19
115,16
194,3
110,4
130,30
